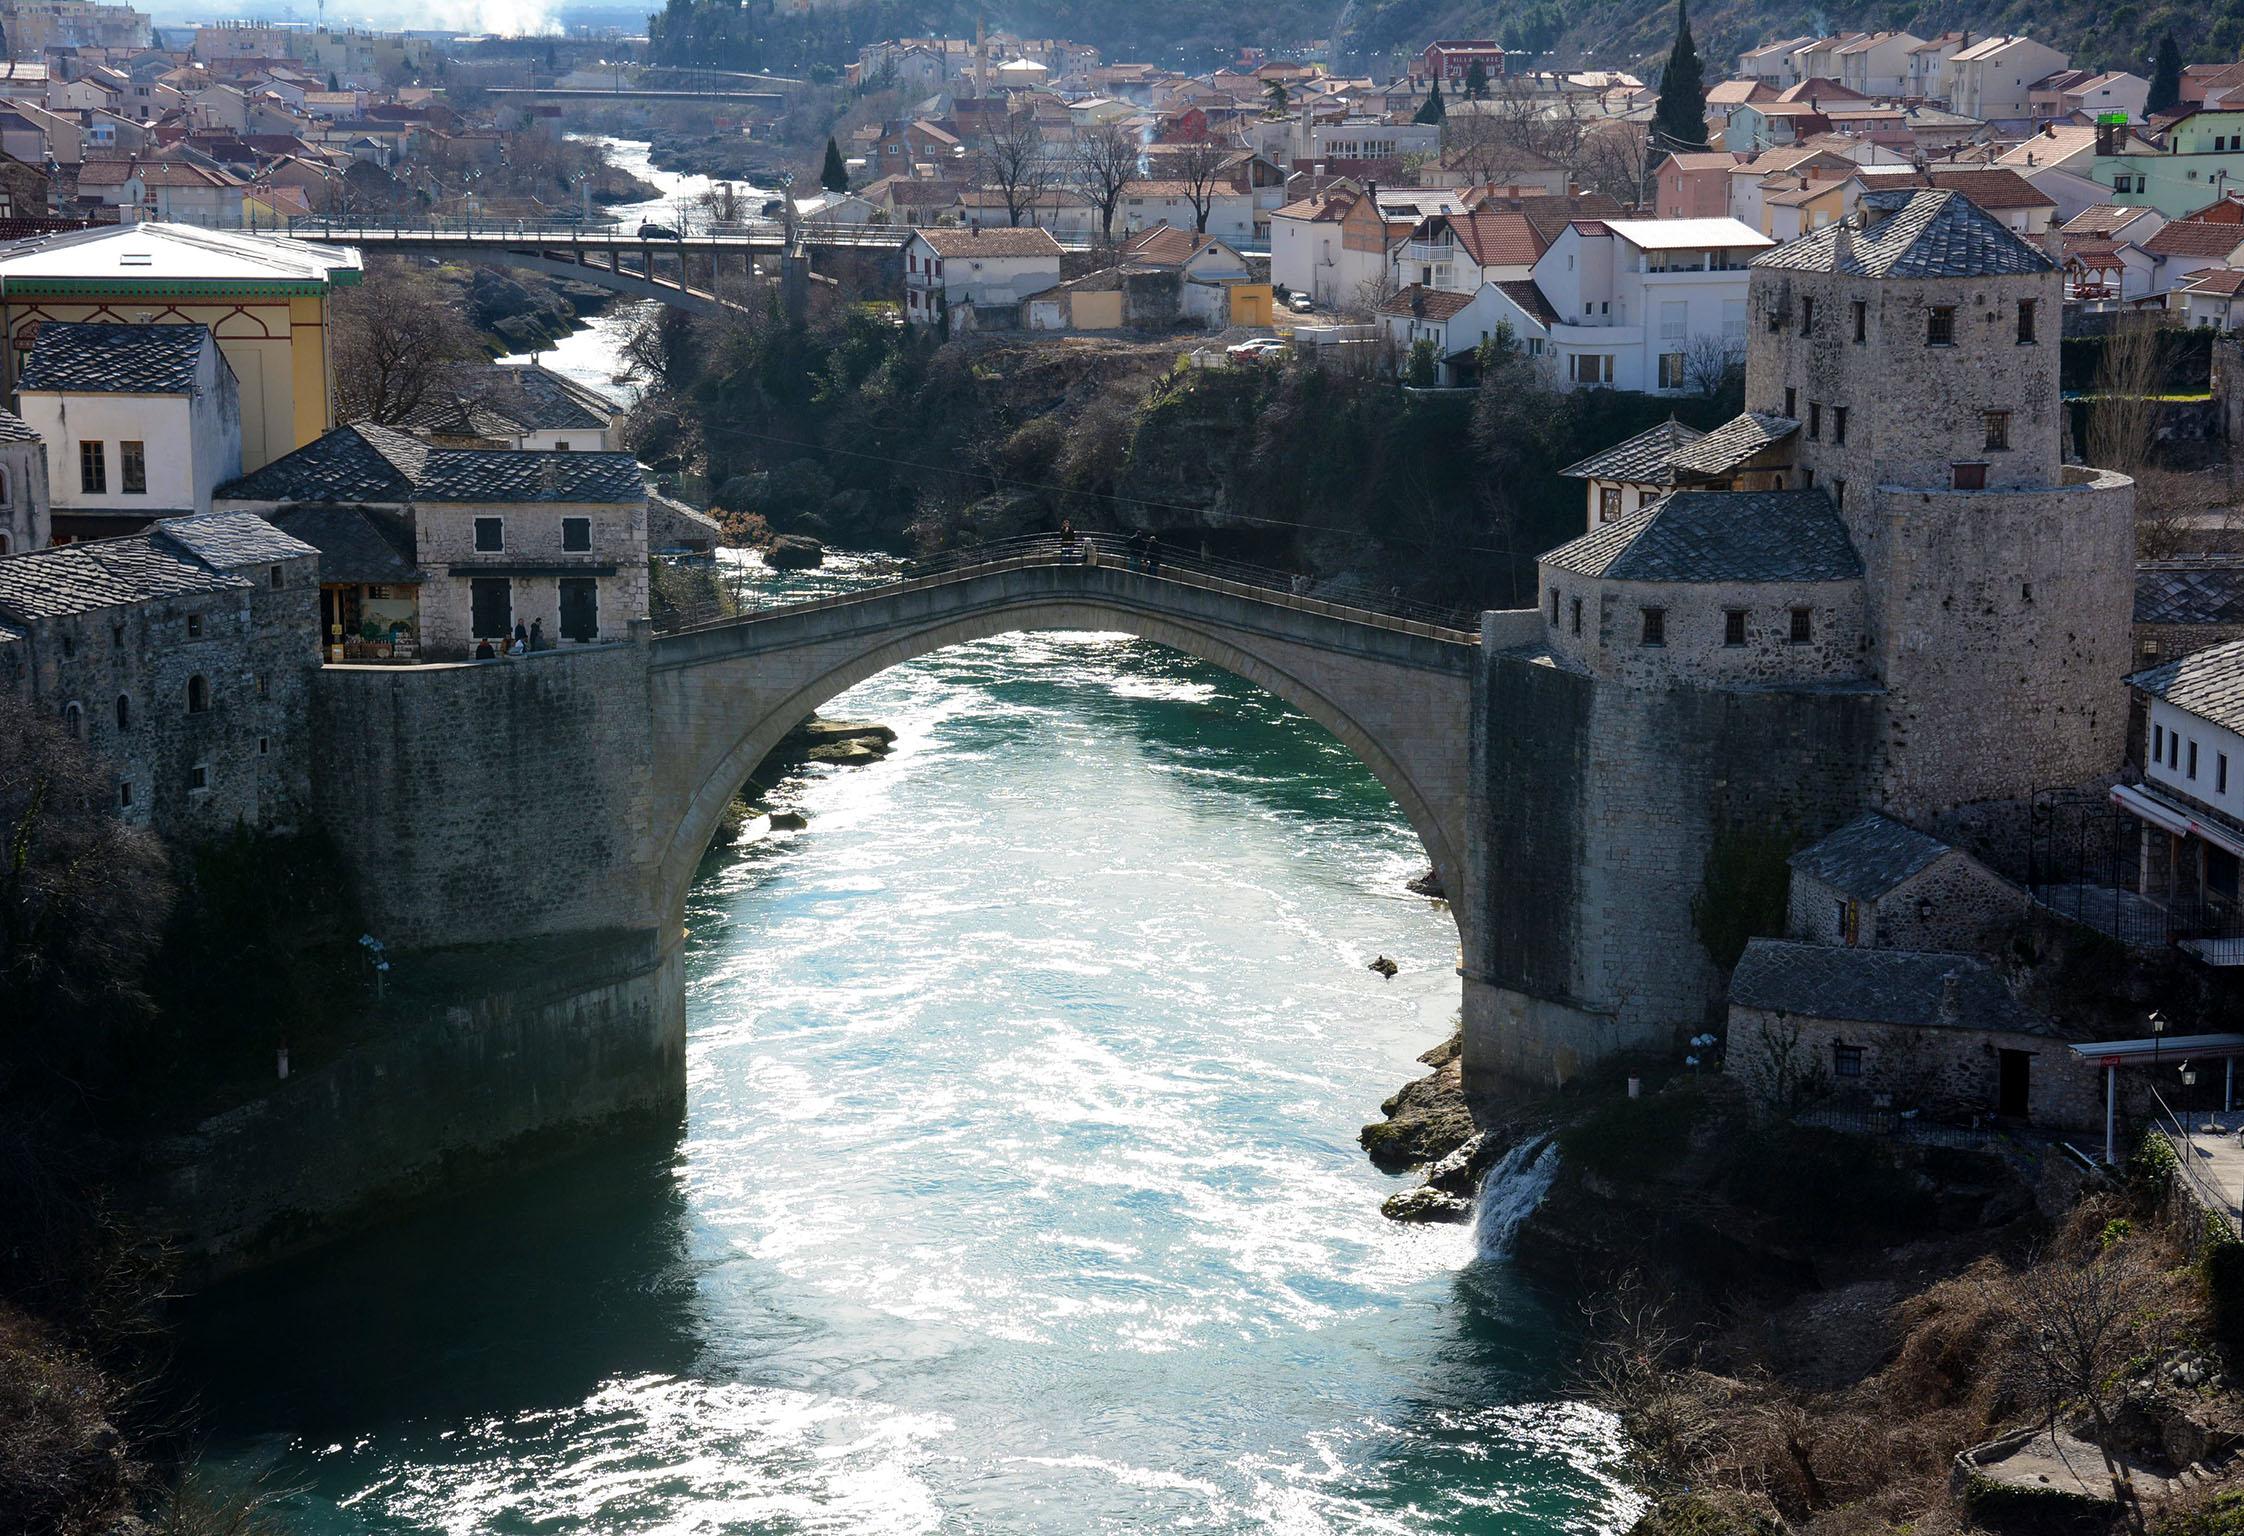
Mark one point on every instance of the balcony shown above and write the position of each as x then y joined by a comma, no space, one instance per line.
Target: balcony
1424,251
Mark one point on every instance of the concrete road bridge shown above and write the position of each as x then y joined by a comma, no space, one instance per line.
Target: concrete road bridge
680,272
1395,687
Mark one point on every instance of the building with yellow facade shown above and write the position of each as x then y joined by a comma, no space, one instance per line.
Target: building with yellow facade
264,298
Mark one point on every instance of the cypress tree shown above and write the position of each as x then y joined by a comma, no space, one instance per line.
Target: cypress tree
2166,79
1476,80
1679,122
1434,109
835,177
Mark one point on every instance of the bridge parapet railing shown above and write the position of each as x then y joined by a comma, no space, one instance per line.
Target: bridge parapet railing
759,232
1288,589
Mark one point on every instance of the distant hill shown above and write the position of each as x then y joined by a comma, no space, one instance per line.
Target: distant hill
1615,34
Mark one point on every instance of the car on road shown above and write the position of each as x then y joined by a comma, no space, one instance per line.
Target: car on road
1301,304
653,231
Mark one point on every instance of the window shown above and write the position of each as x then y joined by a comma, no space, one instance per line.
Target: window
2026,336
198,777
194,626
576,533
2158,743
1846,1060
560,447
490,533
2191,771
1554,605
69,646
116,637
74,720
1590,367
1577,616
264,685
1733,626
1671,370
1791,404
1803,625
1807,317
1969,477
2173,749
277,578
1838,423
132,468
1655,626
264,746
1839,492
1608,506
124,712
490,607
198,695
1776,318
1842,920
1940,325
93,469
1998,430
2220,773
1815,418
124,794
1861,320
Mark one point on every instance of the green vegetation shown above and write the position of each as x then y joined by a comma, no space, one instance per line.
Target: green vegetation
1679,121
2166,79
1744,892
835,176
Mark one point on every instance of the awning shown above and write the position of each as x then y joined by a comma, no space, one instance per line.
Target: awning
2164,814
2161,1048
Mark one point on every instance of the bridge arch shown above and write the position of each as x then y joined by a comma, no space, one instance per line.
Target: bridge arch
723,696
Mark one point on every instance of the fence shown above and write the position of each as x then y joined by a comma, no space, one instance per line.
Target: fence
1896,1125
1289,589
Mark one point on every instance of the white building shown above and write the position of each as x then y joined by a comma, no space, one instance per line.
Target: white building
1876,64
1634,299
960,272
140,422
2191,798
1993,79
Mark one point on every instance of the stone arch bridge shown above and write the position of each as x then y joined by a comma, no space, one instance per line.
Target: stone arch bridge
1396,691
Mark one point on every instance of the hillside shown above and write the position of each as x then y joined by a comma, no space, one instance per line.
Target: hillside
1196,34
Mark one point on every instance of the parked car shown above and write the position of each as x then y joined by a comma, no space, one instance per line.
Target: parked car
1255,350
1301,304
652,231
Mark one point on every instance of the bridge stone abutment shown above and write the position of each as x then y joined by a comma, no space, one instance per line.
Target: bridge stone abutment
1397,695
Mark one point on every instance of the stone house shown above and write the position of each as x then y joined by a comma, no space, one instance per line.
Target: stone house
502,538
1630,476
514,405
183,655
1900,1030
974,276
144,421
2186,605
1877,884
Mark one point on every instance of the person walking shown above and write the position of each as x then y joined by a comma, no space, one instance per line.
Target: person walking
1137,550
537,634
1153,554
1067,538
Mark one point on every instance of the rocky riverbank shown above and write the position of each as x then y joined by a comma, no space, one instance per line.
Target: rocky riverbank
831,743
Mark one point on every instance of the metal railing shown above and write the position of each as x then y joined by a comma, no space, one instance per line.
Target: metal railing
497,230
1288,589
2204,1187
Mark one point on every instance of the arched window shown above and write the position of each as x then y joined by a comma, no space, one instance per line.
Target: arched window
74,720
198,695
124,712
6,499
7,547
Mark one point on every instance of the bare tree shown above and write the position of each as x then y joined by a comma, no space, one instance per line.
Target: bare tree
394,334
2121,420
1203,167
1012,163
1617,159
1712,361
2073,1327
1105,160
1495,146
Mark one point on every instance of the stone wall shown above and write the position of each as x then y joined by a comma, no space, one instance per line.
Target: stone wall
1695,626
1908,1067
479,803
533,560
1594,807
481,1060
127,675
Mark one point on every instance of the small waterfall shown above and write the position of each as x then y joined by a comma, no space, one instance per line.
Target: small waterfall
1510,1192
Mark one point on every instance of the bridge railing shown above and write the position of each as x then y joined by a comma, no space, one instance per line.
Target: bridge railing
498,231
1289,589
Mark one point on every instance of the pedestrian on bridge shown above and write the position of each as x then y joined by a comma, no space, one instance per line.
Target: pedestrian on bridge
1137,550
1153,554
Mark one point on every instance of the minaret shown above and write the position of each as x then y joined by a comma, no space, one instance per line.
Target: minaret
981,61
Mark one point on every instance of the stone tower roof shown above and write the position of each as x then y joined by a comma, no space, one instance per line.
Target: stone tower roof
1913,234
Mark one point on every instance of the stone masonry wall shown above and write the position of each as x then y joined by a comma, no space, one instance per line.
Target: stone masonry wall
1695,649
1595,808
484,802
1973,909
444,538
1913,1067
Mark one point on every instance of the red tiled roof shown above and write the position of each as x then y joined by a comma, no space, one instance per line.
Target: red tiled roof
1496,237
2195,237
2222,282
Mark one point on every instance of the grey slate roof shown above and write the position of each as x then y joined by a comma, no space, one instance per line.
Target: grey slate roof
1878,986
366,463
1869,856
107,573
1732,443
1922,234
494,400
1718,536
2190,592
2207,683
1642,460
355,544
228,541
14,429
87,357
